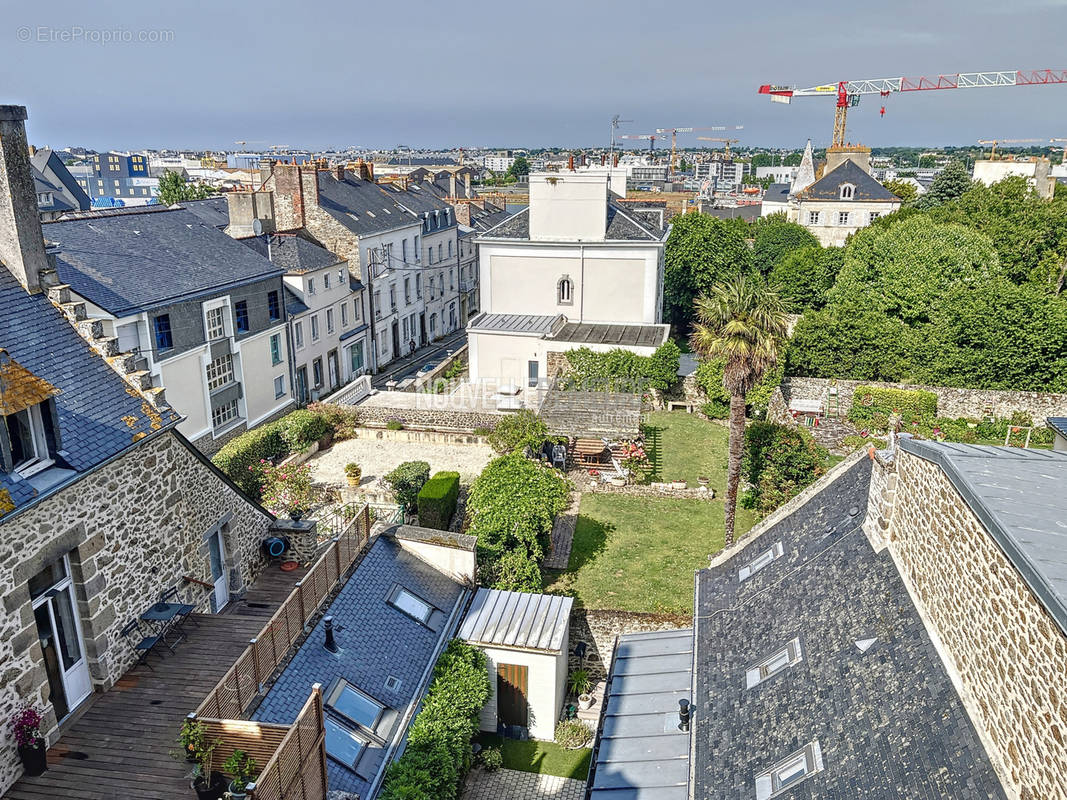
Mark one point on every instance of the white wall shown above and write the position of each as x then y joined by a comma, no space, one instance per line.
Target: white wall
183,377
828,231
505,357
545,689
257,375
568,206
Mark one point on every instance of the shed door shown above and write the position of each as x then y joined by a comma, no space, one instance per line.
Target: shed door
511,705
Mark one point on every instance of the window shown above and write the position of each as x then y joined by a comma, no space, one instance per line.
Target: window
431,288
274,309
276,349
418,253
450,248
349,702
279,387
341,276
407,291
565,291
418,287
329,320
404,250
29,442
760,561
240,310
326,280
344,315
219,372
411,604
316,371
772,664
433,324
311,286
873,216
355,355
377,304
164,340
842,218
789,772
440,251
847,191
216,324
314,327
342,743
224,414
813,217
298,334
430,252
392,297
355,310
451,280
405,326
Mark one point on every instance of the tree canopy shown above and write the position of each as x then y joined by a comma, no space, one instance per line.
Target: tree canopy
173,188
775,238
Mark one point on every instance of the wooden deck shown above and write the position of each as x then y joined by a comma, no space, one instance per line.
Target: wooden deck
120,745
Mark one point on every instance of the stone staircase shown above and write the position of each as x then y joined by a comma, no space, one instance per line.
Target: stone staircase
831,432
132,367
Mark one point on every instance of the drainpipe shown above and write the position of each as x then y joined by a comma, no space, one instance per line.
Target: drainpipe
581,303
370,315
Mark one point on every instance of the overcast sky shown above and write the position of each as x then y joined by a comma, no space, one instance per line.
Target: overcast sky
503,73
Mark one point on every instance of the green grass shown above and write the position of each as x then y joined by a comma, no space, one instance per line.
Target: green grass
686,446
546,758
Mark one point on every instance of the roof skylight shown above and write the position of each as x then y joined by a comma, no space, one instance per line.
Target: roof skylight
760,561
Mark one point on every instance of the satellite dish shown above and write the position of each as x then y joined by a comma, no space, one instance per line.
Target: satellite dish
257,227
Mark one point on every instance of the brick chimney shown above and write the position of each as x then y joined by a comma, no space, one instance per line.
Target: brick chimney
21,240
365,170
295,189
463,213
452,184
339,172
466,184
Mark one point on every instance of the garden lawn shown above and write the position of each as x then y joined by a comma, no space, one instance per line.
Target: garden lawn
686,446
640,553
546,758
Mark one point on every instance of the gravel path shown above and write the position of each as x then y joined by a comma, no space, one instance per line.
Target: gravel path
378,457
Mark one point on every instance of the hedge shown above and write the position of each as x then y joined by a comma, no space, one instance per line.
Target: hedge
302,428
437,500
778,462
236,456
912,404
438,752
407,481
621,370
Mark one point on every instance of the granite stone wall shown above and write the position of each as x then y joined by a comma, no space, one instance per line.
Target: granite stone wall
435,418
1010,656
599,627
131,529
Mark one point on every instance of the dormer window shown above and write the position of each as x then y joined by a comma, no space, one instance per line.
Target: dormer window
565,291
44,199
29,440
848,191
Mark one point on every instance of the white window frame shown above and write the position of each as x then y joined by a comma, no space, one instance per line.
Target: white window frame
311,285
789,772
279,387
813,217
38,439
847,191
221,416
326,280
298,334
216,328
344,315
219,372
872,216
565,291
773,553
314,327
843,218
329,320
771,665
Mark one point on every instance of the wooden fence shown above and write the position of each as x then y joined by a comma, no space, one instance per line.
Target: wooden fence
244,681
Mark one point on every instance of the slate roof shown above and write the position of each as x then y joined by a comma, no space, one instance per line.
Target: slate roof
99,414
870,687
214,211
539,324
377,641
127,263
1058,424
423,161
828,187
619,335
49,164
517,619
641,753
293,304
363,207
1020,496
622,224
293,253
418,200
41,184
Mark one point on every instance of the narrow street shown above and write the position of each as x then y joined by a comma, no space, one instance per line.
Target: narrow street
409,367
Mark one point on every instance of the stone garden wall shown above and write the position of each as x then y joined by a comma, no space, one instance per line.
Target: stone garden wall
132,528
951,402
598,629
435,418
1006,651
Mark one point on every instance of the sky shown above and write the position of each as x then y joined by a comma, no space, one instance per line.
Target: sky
327,73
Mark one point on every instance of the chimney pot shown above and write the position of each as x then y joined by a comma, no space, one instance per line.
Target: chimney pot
339,172
330,644
683,715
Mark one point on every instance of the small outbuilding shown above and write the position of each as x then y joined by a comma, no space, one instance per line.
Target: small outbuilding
1059,428
525,637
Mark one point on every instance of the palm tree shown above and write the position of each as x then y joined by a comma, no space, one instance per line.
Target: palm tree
741,321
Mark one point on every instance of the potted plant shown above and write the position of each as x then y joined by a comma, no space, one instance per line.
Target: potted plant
31,746
580,685
703,481
354,473
206,782
679,484
243,769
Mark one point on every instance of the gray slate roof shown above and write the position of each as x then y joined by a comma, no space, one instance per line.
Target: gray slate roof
49,164
622,224
99,416
132,262
517,619
1020,496
618,335
377,641
361,206
1058,424
641,754
828,187
293,253
887,718
515,323
215,211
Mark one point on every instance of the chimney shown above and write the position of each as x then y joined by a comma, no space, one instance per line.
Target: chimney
309,180
288,197
21,240
615,161
463,213
452,184
570,163
603,159
683,713
330,644
266,167
247,207
467,184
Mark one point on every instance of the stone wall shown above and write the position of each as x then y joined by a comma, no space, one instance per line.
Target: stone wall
435,418
598,629
132,528
951,402
1005,652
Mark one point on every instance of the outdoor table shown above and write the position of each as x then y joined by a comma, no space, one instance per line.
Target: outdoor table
164,615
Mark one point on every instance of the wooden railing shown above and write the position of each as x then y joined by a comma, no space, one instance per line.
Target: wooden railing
243,682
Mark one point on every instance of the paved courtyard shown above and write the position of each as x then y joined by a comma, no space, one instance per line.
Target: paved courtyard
511,784
379,456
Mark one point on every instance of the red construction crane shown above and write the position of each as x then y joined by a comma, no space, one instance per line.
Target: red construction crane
848,93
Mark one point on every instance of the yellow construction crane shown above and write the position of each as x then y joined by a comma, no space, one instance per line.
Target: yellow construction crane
1064,143
726,142
995,142
675,131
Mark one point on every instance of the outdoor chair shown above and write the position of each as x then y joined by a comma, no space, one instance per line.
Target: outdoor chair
133,632
172,595
559,457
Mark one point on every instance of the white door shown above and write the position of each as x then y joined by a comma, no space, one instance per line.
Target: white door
60,634
217,555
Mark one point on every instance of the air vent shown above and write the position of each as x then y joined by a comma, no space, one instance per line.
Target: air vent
392,684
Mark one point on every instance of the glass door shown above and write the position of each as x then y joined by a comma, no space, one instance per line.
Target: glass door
59,631
217,555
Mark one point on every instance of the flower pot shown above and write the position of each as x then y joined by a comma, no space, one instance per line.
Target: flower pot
617,481
353,480
679,484
703,481
585,701
34,758
296,515
237,795
210,790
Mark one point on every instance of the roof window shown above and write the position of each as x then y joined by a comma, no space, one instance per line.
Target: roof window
411,604
343,744
354,705
848,191
773,664
760,561
789,772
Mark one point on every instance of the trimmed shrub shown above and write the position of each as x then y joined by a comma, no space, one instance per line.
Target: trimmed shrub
302,428
621,370
437,500
394,425
491,759
407,481
778,462
342,419
517,431
572,734
914,405
239,457
438,752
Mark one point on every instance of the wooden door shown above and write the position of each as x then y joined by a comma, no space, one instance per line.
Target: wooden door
511,705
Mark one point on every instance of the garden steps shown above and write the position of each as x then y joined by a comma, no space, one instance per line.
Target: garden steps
591,715
559,554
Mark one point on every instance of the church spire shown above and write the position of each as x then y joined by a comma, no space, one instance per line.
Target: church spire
806,173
